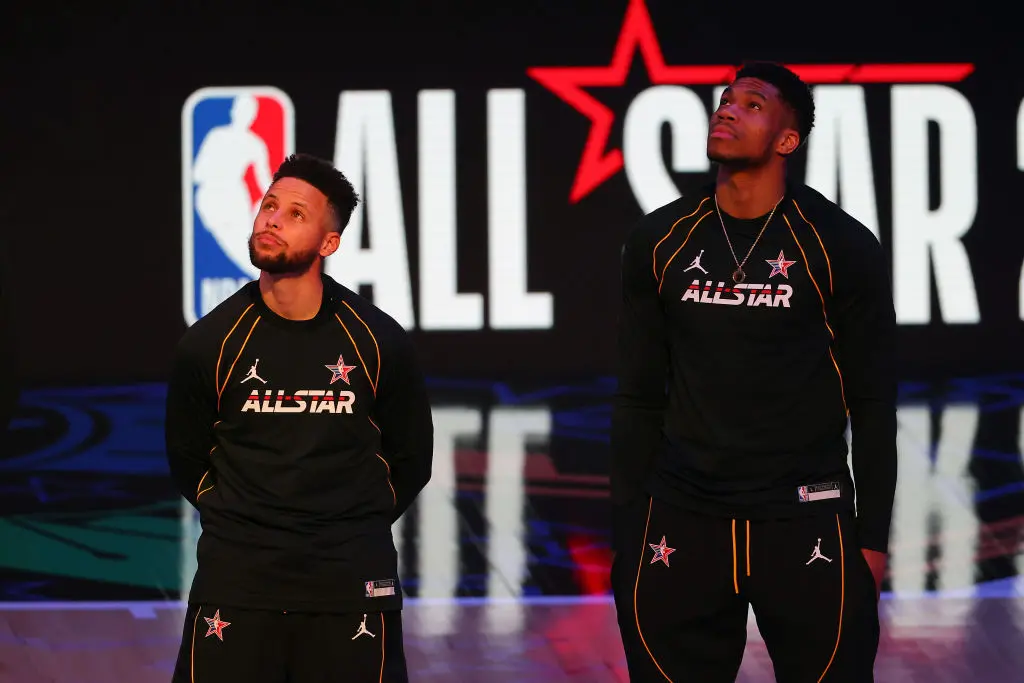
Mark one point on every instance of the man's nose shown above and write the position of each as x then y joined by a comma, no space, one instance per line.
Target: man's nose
725,113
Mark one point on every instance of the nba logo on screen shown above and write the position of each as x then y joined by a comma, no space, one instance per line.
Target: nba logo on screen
233,140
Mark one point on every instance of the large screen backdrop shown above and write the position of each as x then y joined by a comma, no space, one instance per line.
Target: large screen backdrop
501,159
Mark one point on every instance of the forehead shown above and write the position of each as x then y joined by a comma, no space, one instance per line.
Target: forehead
297,190
755,86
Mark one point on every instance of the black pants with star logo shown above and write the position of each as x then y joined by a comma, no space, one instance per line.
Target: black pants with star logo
684,584
221,643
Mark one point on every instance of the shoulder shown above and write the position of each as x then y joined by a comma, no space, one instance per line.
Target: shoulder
836,228
205,336
655,226
386,332
854,255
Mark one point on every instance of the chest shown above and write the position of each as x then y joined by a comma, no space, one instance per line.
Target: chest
291,374
778,288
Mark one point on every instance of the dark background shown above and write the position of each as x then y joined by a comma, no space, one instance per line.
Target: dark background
92,161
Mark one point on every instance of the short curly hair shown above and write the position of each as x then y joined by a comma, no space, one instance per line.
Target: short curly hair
321,174
793,90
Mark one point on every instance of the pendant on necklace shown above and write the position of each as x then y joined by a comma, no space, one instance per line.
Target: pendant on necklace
738,275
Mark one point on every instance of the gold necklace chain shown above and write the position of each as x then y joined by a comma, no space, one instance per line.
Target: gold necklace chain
738,275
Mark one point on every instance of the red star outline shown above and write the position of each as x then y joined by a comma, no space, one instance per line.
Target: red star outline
216,626
779,265
661,552
598,163
340,371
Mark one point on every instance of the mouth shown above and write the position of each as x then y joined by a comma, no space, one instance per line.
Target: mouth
266,238
721,132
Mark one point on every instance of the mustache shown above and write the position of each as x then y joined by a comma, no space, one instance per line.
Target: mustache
269,234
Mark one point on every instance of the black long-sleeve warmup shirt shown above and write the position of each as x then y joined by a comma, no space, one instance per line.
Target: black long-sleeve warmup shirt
734,399
300,443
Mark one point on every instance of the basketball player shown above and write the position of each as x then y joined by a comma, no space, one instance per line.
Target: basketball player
736,383
298,425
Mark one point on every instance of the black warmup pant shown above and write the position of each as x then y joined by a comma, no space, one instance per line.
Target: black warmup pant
682,611
258,646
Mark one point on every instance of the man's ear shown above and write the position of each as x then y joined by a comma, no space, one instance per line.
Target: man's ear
788,142
330,243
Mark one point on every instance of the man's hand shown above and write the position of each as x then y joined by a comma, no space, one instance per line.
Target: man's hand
876,561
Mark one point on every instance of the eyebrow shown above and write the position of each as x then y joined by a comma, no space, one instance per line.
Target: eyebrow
276,198
750,91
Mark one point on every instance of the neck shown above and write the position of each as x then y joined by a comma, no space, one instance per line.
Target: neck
750,192
293,296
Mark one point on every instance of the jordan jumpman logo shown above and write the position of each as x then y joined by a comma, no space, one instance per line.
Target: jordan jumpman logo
816,554
362,630
696,264
252,374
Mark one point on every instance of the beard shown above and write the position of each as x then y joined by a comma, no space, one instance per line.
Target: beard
739,160
282,263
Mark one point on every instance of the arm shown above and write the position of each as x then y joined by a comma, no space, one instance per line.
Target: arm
865,327
402,411
643,370
191,411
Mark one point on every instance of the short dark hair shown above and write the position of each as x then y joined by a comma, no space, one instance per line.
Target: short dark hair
321,174
791,87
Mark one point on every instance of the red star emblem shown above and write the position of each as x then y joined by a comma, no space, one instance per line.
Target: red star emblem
598,163
340,371
661,552
779,265
216,626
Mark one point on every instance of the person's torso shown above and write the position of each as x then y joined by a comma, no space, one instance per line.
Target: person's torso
753,370
297,453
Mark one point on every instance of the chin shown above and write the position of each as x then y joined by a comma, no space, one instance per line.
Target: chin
725,159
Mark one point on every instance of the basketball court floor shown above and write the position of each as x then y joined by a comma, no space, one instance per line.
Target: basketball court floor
504,557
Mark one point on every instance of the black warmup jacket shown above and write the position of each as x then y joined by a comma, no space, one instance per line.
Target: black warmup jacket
734,399
300,443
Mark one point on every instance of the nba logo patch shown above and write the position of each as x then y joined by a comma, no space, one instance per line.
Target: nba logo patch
824,491
233,140
379,589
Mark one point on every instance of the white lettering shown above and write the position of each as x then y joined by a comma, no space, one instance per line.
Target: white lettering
509,431
782,294
764,296
346,399
759,295
737,294
644,162
510,305
299,407
365,151
314,395
215,290
692,292
294,402
921,236
1020,167
705,296
326,405
839,152
1020,137
928,513
441,307
437,523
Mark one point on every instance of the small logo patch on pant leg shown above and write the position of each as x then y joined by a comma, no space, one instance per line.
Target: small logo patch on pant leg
379,589
823,491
